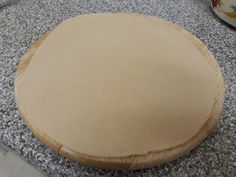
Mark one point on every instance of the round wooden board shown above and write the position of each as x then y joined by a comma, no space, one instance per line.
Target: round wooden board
131,162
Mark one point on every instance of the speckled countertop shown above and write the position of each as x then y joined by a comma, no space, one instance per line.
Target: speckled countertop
23,22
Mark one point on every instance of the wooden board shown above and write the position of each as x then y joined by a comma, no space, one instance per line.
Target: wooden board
131,162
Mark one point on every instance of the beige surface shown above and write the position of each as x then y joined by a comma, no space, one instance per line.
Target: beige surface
120,85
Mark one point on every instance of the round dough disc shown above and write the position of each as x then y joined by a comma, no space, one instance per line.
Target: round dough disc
123,91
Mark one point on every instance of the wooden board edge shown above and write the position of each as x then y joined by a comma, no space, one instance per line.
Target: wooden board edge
25,60
102,162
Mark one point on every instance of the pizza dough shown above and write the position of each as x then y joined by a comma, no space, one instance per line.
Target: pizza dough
111,89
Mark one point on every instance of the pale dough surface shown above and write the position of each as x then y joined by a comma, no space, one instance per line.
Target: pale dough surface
113,85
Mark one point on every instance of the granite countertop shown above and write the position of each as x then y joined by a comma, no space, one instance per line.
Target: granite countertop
23,22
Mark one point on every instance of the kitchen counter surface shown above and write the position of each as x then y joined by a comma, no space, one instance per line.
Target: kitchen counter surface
23,22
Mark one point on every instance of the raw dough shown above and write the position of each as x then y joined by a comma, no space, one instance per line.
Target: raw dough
114,85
